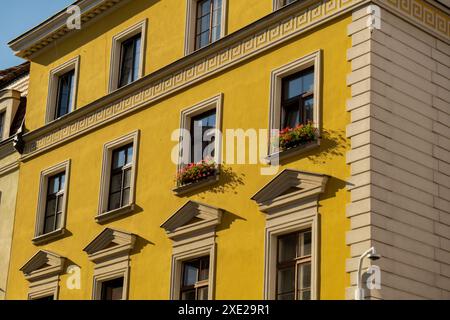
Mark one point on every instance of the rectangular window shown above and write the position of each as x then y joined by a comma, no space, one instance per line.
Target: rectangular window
118,177
195,279
208,22
297,100
130,60
112,289
54,203
65,94
62,90
2,124
121,171
202,135
128,56
294,266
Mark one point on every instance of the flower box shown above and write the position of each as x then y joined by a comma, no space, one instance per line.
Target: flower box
195,176
293,137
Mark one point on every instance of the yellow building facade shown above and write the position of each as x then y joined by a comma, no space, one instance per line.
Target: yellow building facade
235,222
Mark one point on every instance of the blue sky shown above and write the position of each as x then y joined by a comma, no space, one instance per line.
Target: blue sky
17,17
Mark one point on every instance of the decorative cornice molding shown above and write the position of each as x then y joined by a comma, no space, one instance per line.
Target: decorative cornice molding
55,27
422,13
288,187
192,218
260,36
110,243
43,264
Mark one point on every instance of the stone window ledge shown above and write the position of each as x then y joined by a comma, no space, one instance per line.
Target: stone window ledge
113,214
289,153
54,235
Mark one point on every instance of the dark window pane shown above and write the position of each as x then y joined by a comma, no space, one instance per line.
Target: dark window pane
126,197
204,270
190,274
195,274
116,182
51,207
291,115
306,244
58,221
203,24
204,7
49,224
53,185
188,295
114,201
112,289
130,154
202,293
287,296
120,184
59,203
293,88
287,247
304,276
297,101
286,280
201,125
130,60
127,178
309,110
136,59
65,94
305,295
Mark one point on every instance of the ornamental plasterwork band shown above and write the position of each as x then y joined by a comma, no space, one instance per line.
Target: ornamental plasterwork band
422,13
258,37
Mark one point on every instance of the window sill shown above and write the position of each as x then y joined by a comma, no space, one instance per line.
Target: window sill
49,237
191,187
113,214
289,153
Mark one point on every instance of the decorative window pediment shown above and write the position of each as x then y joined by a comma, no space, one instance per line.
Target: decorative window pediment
110,243
192,218
193,232
42,265
110,251
43,271
288,188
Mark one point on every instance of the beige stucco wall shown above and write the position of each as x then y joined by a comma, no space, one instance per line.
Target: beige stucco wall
400,157
8,193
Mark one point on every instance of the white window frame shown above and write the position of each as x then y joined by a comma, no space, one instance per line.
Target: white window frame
215,102
116,49
39,236
44,288
192,240
191,17
118,270
190,252
281,226
103,214
43,273
276,81
55,74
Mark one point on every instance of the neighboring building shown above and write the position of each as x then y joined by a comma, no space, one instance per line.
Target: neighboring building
370,166
13,101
